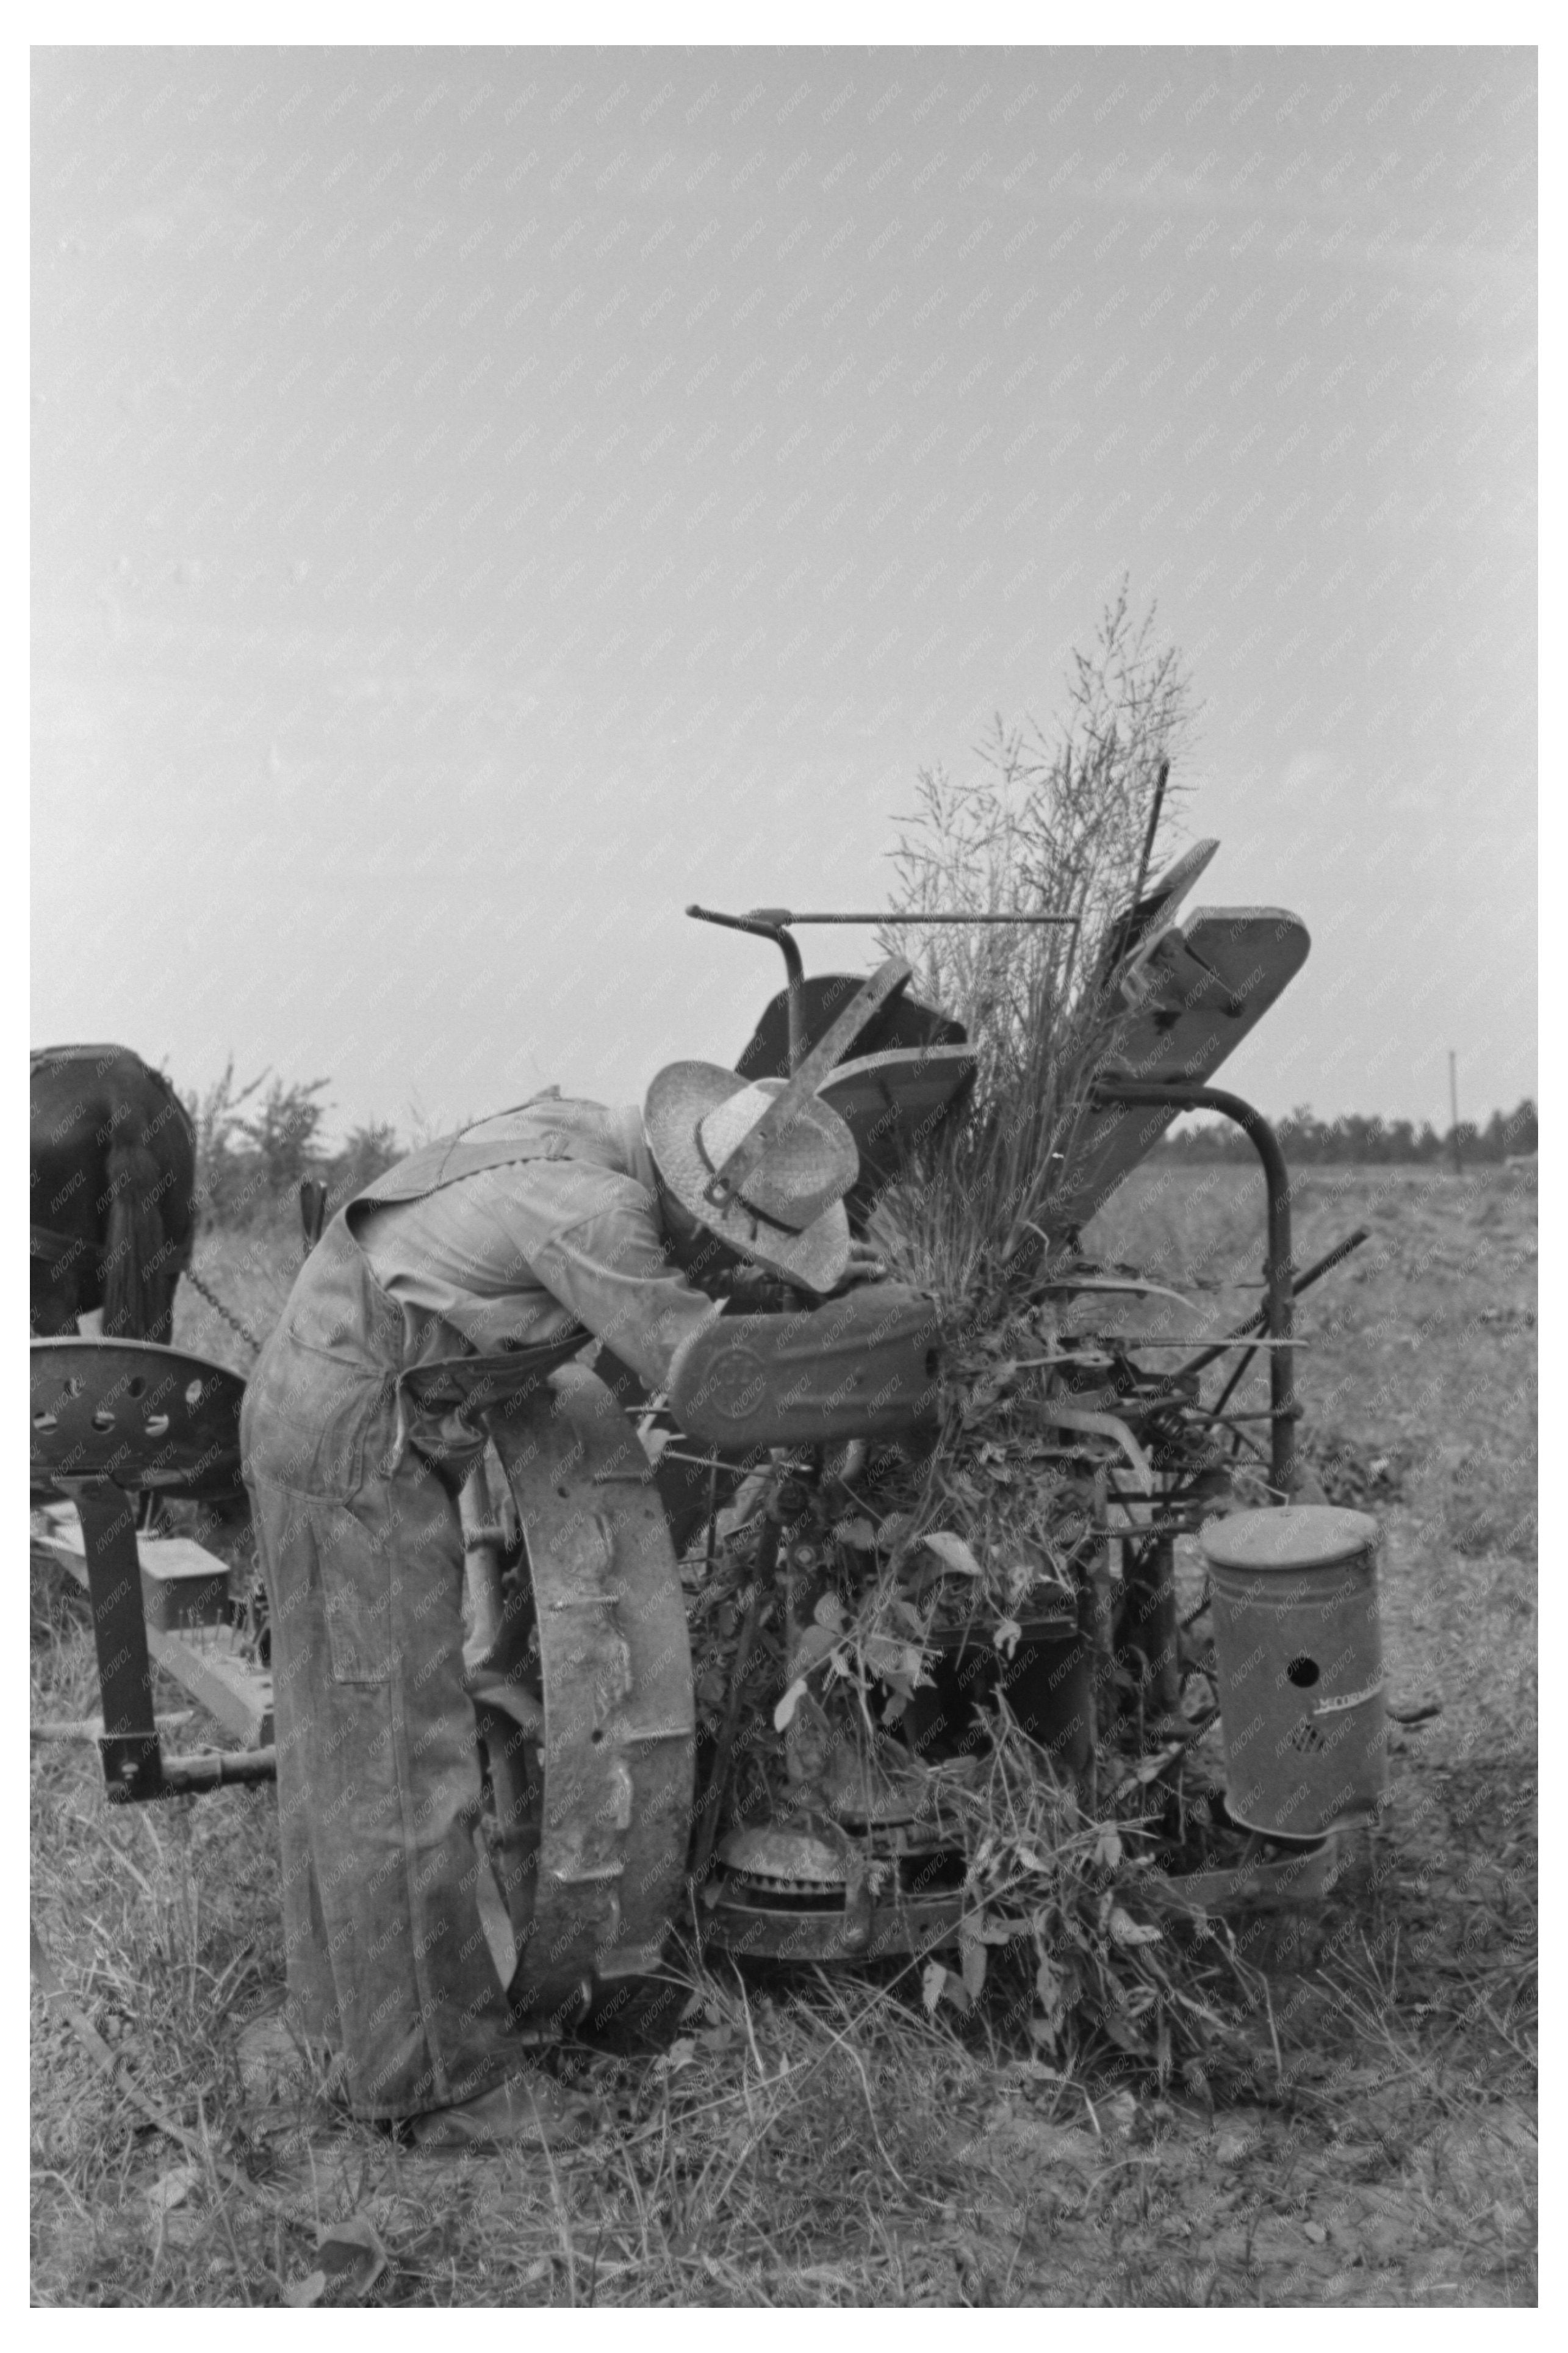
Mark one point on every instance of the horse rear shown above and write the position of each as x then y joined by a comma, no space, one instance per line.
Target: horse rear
113,1185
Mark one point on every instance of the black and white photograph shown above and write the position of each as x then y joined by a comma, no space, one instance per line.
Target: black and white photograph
782,1267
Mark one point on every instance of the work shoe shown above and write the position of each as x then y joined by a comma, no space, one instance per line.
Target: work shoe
283,2078
528,2110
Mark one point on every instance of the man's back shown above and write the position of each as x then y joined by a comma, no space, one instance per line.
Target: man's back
563,1229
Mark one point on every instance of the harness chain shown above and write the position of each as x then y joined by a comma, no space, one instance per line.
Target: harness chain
230,1317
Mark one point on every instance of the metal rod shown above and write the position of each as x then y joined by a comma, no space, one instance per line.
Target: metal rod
1092,1342
1149,1601
1183,1526
769,924
312,1210
1330,1260
1213,1413
794,1012
132,1764
1276,1270
772,924
1239,1371
1124,936
1158,804
211,1769
91,1727
888,915
806,1075
734,923
1233,1379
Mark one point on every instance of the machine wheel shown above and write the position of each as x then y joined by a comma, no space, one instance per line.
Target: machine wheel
590,1824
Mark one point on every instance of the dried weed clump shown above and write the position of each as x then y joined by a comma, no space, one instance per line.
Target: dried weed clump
1064,826
997,1527
1064,823
1060,1934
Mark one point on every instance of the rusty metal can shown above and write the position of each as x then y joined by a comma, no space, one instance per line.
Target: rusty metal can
1300,1659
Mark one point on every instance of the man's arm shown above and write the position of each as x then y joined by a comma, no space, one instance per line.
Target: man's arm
641,1307
610,1269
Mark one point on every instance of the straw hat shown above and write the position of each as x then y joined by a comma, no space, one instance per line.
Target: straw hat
789,1213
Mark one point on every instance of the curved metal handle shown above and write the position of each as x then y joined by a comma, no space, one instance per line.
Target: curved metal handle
768,923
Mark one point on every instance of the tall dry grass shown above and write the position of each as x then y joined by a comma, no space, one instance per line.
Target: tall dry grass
1069,821
1053,822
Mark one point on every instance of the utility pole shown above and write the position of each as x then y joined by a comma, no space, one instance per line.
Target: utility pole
1454,1110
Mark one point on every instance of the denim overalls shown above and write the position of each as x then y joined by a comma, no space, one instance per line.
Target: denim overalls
378,1786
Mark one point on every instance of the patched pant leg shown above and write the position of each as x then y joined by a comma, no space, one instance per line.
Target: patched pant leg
378,1782
286,1544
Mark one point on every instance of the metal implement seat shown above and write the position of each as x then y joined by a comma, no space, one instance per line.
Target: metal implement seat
903,1026
135,1415
110,1420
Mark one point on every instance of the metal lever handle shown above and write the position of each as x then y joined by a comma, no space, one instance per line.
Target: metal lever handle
768,923
312,1210
884,983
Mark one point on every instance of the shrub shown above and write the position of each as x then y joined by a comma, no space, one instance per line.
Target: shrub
229,1181
283,1132
369,1148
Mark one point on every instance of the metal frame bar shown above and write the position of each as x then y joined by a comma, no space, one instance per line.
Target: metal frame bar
1245,1332
132,1760
1280,1292
895,921
135,1766
773,924
764,928
200,1658
1150,1619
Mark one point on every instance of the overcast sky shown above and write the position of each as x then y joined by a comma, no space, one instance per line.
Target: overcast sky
483,502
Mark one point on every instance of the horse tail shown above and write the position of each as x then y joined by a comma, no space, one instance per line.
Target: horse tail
177,1248
133,1243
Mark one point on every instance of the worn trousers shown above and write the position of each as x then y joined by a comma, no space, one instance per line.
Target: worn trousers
378,1774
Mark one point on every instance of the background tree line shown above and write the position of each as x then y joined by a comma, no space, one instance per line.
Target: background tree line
1356,1141
255,1142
